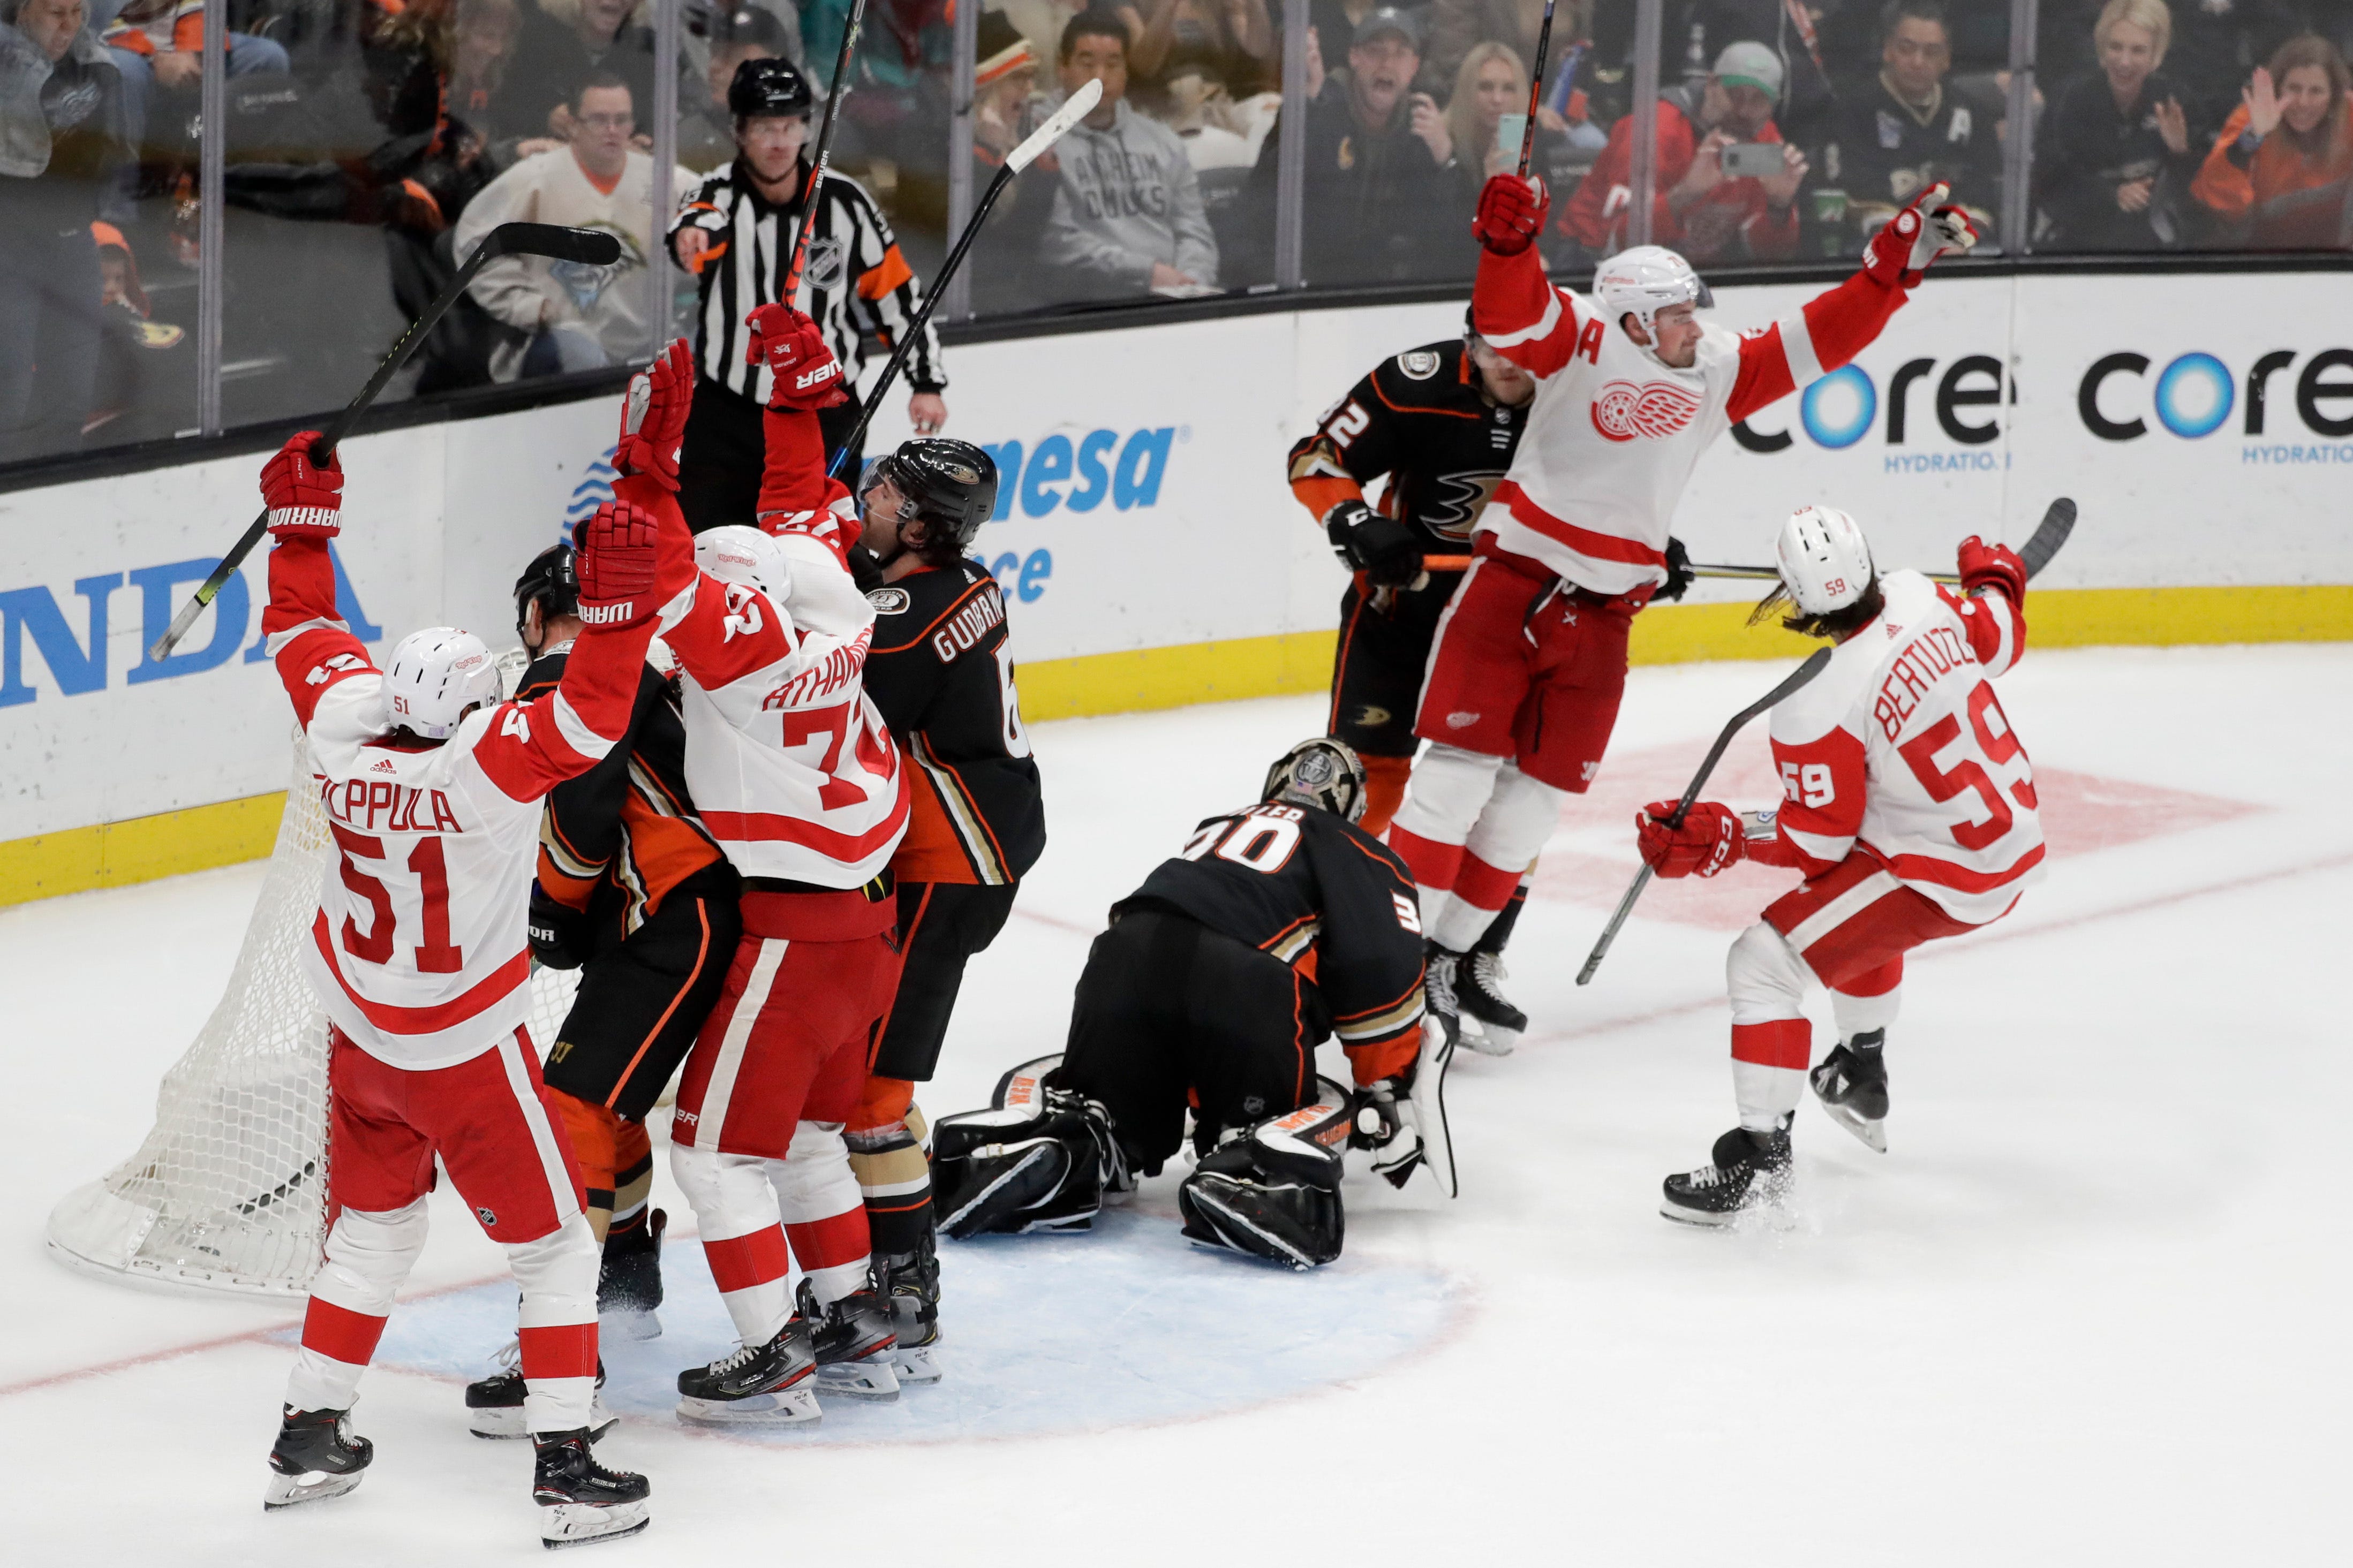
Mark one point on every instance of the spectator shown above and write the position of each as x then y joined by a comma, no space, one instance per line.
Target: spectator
2217,47
1127,216
443,70
159,44
1458,27
1202,115
2115,158
1234,40
60,150
706,134
1701,211
565,42
1381,205
2278,176
1490,84
1334,23
1910,129
566,316
1803,104
1003,274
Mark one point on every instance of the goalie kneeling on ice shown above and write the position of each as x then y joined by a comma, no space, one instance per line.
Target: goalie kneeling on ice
1043,1157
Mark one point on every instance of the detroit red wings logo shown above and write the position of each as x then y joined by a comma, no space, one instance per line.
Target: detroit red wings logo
1657,409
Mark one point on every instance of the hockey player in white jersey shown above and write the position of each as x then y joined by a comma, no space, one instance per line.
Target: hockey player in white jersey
1909,804
418,955
799,780
1530,658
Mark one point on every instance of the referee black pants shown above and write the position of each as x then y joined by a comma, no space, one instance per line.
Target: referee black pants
719,463
1165,1006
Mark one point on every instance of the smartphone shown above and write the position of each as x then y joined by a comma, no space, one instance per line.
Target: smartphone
1752,160
1508,132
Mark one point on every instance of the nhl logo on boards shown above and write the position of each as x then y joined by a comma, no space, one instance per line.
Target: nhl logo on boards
1418,364
1657,409
888,601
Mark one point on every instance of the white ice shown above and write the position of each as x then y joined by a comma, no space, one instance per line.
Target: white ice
2087,1309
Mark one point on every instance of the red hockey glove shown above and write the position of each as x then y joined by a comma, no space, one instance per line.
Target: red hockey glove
653,418
1995,565
305,499
1710,838
1900,254
617,566
1511,214
807,375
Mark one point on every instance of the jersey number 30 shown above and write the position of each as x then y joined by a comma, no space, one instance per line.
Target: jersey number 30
1262,843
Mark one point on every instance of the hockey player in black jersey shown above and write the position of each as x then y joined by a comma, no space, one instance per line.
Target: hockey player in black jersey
633,893
941,669
1440,422
1278,925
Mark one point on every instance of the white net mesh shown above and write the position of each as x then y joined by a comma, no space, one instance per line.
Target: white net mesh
228,1192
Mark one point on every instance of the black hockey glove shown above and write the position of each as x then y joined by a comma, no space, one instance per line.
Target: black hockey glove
1382,548
559,934
1680,575
1379,1125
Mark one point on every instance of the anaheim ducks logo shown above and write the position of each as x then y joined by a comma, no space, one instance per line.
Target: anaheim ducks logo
1657,409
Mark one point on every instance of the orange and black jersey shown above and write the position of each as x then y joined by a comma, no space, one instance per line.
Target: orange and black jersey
1425,420
627,823
1317,892
941,669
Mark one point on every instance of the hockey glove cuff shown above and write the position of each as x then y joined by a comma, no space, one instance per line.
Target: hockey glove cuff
1680,575
618,562
653,417
1511,214
1382,548
1709,838
1984,565
305,497
808,377
1900,254
559,934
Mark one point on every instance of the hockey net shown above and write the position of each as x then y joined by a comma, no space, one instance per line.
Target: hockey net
229,1191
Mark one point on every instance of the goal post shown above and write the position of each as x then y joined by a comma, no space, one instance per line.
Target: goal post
228,1192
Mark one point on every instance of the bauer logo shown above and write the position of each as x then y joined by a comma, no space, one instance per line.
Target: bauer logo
1066,471
2125,395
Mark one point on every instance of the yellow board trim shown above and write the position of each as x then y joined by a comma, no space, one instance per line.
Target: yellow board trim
113,854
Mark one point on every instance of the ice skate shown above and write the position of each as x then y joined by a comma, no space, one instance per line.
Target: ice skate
855,1339
316,1456
769,1385
584,1502
911,1283
494,1404
1852,1084
1743,1166
1494,1025
629,1280
1438,966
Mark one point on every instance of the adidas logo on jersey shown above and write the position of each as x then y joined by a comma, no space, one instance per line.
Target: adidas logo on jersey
384,765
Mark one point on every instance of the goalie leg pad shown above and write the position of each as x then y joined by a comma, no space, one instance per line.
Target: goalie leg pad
1040,1159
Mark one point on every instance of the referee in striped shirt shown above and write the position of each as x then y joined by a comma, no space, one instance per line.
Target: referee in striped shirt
734,230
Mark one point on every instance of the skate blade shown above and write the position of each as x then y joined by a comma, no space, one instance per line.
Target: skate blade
1489,1040
628,1323
874,1378
1872,1134
584,1524
310,1486
499,1423
917,1365
794,1406
1704,1219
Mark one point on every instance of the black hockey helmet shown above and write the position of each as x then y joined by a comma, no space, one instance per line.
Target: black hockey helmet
1322,773
551,580
769,86
948,483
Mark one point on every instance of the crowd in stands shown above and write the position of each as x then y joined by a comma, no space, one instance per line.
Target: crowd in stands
1785,130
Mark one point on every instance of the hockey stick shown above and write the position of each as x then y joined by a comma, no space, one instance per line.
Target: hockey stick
1078,107
588,247
1427,1104
1796,678
2058,522
1536,90
810,192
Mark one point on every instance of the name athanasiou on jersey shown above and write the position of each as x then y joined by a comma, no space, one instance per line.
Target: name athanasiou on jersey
1614,433
417,950
1900,746
789,760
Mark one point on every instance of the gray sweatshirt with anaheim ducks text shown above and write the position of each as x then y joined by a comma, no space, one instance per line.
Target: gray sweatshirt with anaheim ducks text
1128,198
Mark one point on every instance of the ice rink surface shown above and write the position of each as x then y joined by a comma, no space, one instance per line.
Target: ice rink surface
2088,1309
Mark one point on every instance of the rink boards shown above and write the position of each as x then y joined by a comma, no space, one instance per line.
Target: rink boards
1150,552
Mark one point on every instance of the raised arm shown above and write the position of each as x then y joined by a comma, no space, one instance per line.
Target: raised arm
1513,304
311,643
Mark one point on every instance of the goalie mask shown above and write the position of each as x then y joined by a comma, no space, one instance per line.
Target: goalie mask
437,676
1645,280
1321,772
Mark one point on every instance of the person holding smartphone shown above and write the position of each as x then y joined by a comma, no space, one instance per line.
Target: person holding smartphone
1726,183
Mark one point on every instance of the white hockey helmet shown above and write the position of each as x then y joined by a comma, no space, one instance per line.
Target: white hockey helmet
1646,279
437,676
1823,559
742,554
